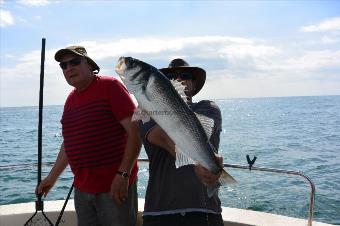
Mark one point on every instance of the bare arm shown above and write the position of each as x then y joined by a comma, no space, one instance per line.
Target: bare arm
119,187
133,145
58,167
157,136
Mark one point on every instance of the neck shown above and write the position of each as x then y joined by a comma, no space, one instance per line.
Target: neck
86,83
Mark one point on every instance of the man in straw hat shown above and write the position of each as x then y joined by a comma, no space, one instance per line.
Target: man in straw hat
179,196
101,144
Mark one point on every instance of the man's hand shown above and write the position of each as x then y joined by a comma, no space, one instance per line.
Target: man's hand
45,186
119,189
60,164
207,177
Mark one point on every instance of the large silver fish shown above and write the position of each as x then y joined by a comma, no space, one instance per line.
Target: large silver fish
165,103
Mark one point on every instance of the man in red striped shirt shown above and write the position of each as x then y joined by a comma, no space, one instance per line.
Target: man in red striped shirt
101,144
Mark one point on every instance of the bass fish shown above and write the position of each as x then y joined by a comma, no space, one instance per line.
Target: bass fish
165,102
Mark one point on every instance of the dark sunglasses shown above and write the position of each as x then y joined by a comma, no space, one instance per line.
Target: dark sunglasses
181,75
73,62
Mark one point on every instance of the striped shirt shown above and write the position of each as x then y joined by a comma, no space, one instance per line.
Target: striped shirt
94,139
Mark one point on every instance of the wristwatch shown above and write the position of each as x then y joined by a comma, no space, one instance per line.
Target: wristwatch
123,174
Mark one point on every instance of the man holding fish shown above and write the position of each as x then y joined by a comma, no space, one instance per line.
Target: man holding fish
184,170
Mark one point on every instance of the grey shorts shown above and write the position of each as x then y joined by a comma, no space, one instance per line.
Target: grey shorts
100,209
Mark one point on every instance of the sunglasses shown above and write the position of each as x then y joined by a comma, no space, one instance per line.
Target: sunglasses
73,62
181,75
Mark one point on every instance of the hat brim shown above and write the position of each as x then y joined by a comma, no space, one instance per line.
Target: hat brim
198,74
62,52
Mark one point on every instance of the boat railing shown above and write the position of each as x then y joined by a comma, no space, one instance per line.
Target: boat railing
274,170
245,167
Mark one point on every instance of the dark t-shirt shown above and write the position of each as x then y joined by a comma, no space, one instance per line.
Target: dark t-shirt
172,190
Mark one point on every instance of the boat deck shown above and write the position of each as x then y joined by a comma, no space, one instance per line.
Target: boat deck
18,214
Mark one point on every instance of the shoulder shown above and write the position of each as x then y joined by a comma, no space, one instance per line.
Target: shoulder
208,105
107,79
210,109
145,128
110,81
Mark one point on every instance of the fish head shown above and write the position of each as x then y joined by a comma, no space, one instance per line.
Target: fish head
134,73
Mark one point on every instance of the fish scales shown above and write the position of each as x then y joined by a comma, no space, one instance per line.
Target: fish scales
157,96
181,124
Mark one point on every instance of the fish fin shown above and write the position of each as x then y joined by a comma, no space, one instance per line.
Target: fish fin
207,123
182,159
225,178
211,190
140,114
180,88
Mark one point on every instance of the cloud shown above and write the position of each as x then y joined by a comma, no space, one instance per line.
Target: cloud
212,52
206,44
20,82
315,66
6,18
329,40
215,53
234,66
34,2
332,24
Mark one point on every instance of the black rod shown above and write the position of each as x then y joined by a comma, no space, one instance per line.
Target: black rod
65,203
39,204
41,97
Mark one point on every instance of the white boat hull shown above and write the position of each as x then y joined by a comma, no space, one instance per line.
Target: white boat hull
18,214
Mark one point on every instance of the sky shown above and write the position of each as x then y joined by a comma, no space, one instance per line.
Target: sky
248,48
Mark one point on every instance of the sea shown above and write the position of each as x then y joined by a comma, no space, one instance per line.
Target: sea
291,133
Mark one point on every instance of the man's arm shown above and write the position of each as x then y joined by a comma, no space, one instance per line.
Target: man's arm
119,187
158,137
59,166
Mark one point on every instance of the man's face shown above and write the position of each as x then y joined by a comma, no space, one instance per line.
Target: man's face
76,70
189,86
186,79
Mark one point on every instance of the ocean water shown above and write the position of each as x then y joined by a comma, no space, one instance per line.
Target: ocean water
291,133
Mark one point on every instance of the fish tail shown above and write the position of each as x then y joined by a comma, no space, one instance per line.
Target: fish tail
225,178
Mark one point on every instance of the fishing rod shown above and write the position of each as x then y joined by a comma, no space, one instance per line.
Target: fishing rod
39,204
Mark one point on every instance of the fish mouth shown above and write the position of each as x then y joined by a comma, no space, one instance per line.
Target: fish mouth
120,67
122,77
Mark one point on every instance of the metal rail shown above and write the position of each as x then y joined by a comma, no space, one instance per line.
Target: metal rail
289,172
273,170
25,165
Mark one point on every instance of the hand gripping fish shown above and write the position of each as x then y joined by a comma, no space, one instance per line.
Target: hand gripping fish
165,103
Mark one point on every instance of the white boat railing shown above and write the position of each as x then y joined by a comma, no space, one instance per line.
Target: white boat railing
245,167
289,172
274,170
